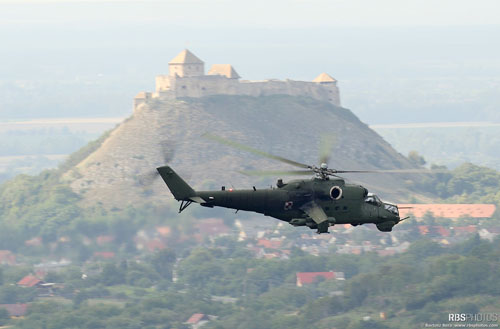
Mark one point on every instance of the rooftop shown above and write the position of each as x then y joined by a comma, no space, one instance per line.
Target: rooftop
448,210
29,281
310,277
323,77
226,70
15,309
185,57
195,318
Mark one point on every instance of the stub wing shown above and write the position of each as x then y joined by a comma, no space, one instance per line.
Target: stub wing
314,211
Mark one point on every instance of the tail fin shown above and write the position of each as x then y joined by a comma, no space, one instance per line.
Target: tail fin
179,188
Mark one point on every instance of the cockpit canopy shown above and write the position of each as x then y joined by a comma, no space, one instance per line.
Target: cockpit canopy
373,199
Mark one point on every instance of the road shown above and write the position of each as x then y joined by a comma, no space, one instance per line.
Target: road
435,125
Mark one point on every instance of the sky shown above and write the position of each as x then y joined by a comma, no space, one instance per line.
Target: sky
91,57
262,13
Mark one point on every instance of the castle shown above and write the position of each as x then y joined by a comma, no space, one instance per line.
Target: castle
187,78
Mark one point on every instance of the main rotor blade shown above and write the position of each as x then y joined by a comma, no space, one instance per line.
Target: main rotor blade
393,171
276,172
325,148
239,146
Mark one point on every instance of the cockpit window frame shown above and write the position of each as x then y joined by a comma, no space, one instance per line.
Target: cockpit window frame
374,200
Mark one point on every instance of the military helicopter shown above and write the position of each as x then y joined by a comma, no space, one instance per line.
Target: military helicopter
318,202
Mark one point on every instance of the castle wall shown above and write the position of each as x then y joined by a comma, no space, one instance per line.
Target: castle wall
199,86
162,82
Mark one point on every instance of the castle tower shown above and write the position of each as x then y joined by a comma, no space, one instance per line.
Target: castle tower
330,84
186,64
324,78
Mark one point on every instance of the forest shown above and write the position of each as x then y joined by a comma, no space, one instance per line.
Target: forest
222,278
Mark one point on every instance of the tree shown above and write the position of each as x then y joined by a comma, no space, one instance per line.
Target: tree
370,324
163,262
112,275
416,158
4,316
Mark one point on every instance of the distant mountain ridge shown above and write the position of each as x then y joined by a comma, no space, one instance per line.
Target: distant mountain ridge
289,126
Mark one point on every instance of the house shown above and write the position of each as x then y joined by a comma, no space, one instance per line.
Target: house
269,244
155,245
465,230
212,227
15,310
104,239
434,230
350,249
104,254
386,252
35,242
489,233
453,211
197,320
311,277
29,281
55,266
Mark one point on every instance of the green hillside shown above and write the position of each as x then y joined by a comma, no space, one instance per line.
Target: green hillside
143,265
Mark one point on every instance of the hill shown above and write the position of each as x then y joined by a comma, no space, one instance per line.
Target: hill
284,125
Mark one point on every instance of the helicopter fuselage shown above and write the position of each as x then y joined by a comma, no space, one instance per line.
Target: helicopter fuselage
342,203
317,203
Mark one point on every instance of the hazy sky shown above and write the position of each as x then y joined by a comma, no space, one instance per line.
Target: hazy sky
83,57
262,13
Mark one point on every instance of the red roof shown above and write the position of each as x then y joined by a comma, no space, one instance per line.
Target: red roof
29,281
465,229
443,231
423,229
163,230
103,239
195,318
270,244
212,226
15,309
310,277
104,254
385,252
439,230
155,244
448,210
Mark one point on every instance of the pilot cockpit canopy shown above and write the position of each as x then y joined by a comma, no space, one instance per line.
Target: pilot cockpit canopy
373,199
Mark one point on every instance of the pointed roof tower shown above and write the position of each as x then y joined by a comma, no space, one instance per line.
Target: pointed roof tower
324,78
225,70
186,64
185,57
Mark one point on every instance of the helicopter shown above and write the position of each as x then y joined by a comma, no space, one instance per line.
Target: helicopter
318,202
